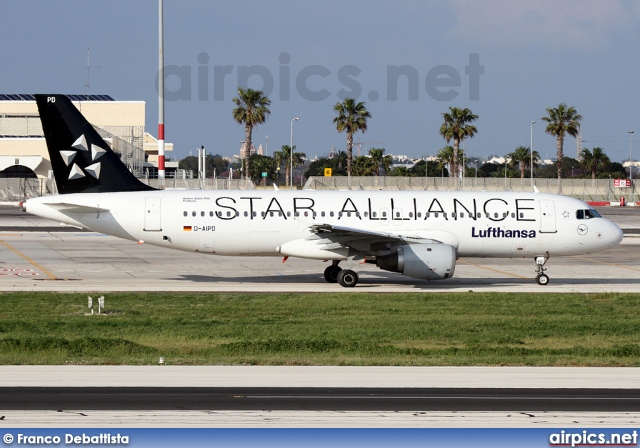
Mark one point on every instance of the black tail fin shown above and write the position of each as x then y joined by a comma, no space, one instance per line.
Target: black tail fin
80,158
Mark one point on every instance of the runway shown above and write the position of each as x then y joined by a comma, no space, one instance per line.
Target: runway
38,255
305,396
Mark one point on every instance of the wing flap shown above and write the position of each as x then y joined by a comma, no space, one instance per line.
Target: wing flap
332,237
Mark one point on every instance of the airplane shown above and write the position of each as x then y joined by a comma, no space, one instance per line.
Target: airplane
420,234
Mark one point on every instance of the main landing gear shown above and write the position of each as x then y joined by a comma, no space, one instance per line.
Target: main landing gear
345,277
541,277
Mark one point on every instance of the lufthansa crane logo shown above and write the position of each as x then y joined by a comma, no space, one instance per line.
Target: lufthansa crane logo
582,229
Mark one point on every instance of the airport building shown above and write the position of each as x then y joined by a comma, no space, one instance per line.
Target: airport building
23,151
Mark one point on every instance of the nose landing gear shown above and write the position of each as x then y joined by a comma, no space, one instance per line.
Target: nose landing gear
541,277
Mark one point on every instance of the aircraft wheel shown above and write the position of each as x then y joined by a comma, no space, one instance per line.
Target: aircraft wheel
331,273
347,278
542,279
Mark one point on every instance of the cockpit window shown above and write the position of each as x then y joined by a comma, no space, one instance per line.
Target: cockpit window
592,214
587,214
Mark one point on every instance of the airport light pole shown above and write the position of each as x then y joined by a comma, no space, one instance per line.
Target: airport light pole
291,154
243,155
630,165
531,150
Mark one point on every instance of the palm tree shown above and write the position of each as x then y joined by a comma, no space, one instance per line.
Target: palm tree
252,109
259,165
522,156
380,160
284,157
562,120
456,127
364,166
341,159
594,161
445,157
352,117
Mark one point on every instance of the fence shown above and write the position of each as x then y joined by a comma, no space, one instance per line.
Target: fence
19,189
16,189
584,189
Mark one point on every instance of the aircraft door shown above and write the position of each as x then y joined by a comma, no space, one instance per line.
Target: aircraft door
152,215
547,216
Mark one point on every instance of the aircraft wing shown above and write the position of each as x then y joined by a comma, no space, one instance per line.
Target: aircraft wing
335,237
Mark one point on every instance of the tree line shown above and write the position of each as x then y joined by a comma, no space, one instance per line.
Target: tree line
252,109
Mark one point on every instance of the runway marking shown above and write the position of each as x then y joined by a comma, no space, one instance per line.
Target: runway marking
33,263
608,264
491,269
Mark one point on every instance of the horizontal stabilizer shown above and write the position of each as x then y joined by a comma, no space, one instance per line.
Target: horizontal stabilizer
75,208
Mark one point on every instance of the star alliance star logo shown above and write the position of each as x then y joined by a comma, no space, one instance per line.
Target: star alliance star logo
81,145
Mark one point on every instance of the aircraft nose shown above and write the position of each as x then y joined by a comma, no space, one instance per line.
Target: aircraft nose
615,234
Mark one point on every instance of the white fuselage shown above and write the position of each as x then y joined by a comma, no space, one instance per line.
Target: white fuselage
267,223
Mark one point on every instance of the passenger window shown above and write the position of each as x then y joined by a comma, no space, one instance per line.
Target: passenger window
331,214
322,214
246,214
202,214
211,214
186,214
193,214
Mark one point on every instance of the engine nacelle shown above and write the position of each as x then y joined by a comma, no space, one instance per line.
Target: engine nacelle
426,261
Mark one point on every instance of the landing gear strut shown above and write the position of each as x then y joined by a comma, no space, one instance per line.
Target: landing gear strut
541,277
331,273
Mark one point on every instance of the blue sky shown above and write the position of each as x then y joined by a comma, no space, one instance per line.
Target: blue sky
523,57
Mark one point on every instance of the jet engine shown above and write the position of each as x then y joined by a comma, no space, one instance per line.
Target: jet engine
426,261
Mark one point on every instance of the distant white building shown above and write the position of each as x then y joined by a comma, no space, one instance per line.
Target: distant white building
23,150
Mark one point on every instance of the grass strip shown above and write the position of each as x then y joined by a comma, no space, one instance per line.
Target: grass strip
323,329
